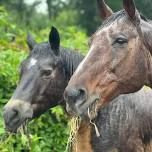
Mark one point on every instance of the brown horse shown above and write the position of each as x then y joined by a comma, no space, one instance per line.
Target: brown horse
120,123
119,61
124,125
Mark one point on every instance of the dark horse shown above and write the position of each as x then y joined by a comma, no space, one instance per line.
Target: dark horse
44,74
123,126
119,61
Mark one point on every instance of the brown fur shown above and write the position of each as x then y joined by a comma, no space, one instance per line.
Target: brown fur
111,67
83,140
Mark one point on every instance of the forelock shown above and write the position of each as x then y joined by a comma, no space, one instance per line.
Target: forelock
113,18
117,16
42,50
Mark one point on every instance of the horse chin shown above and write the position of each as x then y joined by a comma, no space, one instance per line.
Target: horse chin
20,125
39,109
87,109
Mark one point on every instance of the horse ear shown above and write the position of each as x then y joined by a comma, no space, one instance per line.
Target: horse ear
30,41
104,10
54,40
130,7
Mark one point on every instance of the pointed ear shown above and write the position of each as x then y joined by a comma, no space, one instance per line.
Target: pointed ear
30,41
130,7
104,10
54,40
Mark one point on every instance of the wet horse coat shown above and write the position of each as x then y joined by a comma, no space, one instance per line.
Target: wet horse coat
114,128
118,62
108,71
125,125
112,121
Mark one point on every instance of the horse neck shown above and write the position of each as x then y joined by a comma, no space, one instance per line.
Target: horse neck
83,138
71,60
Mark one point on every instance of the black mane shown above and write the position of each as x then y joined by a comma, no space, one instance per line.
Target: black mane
71,60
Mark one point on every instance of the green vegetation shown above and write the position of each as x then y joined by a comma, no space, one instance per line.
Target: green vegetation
75,19
81,13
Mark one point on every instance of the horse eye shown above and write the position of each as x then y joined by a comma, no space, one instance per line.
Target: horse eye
120,41
46,73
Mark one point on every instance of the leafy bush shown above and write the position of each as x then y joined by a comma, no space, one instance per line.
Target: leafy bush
50,131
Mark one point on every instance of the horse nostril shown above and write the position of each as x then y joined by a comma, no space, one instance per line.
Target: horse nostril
15,113
82,94
75,95
10,115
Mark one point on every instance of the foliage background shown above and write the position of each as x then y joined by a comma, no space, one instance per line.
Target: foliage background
76,20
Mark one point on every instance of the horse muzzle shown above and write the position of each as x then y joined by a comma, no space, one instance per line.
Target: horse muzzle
16,112
78,101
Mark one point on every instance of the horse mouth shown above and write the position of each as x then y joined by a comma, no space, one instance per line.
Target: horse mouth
83,109
14,128
16,113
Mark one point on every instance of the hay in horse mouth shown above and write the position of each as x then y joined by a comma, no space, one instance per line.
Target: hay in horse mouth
82,109
89,104
21,125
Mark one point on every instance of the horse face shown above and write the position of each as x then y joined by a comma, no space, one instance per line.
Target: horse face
116,63
41,83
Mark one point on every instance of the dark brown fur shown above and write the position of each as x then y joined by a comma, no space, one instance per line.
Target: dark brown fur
119,61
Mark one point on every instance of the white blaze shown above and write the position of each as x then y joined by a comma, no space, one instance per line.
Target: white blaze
32,63
84,60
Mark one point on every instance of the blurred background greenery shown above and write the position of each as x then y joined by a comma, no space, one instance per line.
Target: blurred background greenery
76,20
